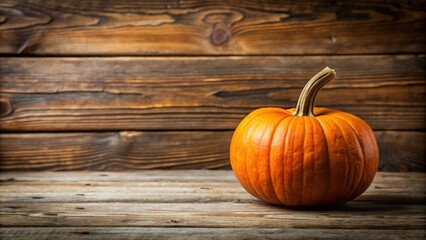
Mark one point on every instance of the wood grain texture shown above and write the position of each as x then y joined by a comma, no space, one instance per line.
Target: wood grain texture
115,151
399,180
402,151
213,215
173,186
178,93
211,27
133,150
67,233
388,210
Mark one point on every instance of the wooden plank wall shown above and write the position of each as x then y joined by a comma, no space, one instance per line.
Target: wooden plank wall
119,85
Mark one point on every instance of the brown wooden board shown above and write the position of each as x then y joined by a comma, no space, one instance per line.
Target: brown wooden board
134,150
115,151
218,214
211,27
111,205
187,93
173,186
189,233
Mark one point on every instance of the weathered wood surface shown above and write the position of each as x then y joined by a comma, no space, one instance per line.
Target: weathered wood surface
67,233
211,27
221,214
206,65
40,204
136,150
175,93
402,151
115,151
189,186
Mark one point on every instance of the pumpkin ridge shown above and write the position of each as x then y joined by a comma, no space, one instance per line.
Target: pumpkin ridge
302,188
328,120
269,157
262,160
285,160
242,126
314,163
326,192
355,190
237,140
259,192
297,186
349,167
356,177
363,123
246,168
361,187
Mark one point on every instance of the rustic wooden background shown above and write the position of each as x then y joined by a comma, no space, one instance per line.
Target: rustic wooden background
126,85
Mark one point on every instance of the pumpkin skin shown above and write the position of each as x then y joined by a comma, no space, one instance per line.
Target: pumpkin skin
329,158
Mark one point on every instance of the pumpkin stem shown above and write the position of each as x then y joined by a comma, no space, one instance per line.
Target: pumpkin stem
305,104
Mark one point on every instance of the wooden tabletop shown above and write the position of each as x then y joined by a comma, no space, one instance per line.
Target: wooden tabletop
196,204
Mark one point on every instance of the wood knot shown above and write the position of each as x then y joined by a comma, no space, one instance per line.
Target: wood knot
3,19
219,37
5,107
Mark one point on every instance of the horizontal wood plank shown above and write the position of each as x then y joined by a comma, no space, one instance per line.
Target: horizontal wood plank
232,214
402,151
175,93
69,233
135,150
181,176
400,179
173,187
226,212
115,151
212,215
211,27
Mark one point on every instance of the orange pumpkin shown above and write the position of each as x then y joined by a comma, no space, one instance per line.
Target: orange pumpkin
304,156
